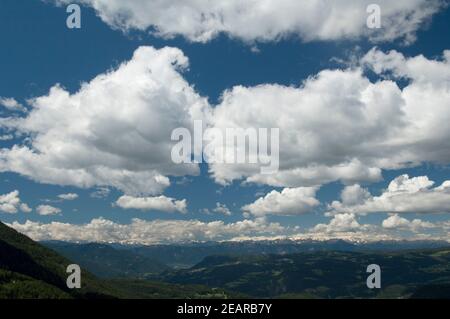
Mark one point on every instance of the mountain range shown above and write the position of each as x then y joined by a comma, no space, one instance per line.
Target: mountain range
269,269
190,254
29,270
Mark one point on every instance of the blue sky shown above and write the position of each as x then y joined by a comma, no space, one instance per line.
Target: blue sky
39,51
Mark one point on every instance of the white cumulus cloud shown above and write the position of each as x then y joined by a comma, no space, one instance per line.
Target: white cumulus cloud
115,131
159,203
222,209
265,20
6,137
290,201
403,195
397,222
339,223
336,126
147,232
340,125
12,104
11,203
68,196
47,210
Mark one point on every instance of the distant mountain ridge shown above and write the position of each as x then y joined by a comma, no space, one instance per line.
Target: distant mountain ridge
105,261
187,255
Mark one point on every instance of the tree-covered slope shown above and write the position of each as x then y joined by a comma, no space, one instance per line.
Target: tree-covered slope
30,270
404,274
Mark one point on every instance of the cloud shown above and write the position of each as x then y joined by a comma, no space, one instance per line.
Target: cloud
115,131
339,125
160,203
10,203
6,137
354,194
418,68
47,210
347,227
397,222
344,227
222,209
25,208
339,223
403,195
265,20
425,104
69,196
101,192
11,104
143,232
290,201
147,232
